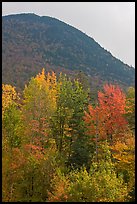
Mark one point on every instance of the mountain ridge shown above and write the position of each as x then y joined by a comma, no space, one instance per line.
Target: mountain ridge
30,42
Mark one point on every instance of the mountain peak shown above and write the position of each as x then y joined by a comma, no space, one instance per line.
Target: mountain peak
30,42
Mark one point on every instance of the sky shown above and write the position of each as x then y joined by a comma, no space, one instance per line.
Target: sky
111,24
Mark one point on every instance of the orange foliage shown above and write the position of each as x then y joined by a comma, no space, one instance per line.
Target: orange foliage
60,194
107,118
18,159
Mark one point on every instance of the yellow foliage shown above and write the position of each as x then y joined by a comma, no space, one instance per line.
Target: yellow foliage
49,83
124,153
9,95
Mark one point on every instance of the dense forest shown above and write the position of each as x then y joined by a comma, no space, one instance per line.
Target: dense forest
61,144
30,42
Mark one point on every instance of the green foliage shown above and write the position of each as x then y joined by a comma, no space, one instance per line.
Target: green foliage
12,126
67,124
101,184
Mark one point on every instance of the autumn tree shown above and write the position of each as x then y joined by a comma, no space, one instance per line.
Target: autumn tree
11,116
9,97
12,137
130,107
106,120
39,105
57,148
123,153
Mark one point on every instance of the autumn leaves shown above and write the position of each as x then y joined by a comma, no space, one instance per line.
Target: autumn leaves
58,146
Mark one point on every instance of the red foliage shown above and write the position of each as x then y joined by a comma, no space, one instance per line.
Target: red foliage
107,118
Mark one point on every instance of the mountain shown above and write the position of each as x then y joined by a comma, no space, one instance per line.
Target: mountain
31,42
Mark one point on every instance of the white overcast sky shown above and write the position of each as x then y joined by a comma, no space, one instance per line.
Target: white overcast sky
111,24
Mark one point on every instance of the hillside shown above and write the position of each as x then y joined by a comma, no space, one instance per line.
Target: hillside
30,42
